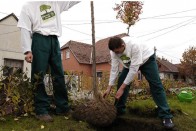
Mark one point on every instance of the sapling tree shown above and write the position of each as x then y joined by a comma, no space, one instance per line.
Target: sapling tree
128,12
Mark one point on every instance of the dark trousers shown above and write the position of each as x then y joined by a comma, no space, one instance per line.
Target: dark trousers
150,70
46,53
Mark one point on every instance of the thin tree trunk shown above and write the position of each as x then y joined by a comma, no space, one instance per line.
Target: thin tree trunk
128,30
95,90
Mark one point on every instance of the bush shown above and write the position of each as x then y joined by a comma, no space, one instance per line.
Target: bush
16,94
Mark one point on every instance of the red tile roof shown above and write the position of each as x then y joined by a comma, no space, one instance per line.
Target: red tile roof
81,51
166,66
102,51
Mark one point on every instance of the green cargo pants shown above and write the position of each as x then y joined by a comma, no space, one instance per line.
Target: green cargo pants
150,70
46,53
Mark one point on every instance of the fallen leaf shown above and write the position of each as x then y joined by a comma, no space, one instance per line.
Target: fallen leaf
2,119
26,114
16,119
66,118
42,126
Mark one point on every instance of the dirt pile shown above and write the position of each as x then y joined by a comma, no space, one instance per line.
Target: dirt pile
96,112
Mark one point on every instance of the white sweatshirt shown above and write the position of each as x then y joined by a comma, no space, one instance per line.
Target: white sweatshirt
42,17
134,55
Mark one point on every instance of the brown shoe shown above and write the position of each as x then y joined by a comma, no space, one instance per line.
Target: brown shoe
44,117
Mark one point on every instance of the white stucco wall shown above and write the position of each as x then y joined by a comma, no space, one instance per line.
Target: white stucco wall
161,75
10,46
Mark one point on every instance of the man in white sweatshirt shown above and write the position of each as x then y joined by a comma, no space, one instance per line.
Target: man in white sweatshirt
40,25
135,56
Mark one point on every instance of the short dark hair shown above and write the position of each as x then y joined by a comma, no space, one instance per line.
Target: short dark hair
115,42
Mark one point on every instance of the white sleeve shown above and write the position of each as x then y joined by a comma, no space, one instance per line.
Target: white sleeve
114,70
130,76
25,20
26,40
65,5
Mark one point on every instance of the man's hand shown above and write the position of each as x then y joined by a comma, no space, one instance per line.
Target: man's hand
120,91
29,57
107,92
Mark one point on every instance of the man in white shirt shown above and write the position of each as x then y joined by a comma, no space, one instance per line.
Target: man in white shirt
134,56
40,25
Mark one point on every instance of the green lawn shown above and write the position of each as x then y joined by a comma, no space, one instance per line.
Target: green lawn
60,123
184,113
139,113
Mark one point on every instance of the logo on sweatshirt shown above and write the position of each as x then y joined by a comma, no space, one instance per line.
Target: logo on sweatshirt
126,60
47,14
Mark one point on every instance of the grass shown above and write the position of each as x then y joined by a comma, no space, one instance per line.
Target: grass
60,123
187,120
184,118
184,113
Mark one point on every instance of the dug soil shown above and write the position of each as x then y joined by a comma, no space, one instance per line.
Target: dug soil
125,123
138,120
135,119
97,112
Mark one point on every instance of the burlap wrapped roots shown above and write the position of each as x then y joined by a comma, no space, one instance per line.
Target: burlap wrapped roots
96,112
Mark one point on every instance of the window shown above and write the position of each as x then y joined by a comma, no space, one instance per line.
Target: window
67,54
61,56
12,66
99,74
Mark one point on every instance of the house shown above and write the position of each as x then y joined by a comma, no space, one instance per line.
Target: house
167,69
11,54
77,56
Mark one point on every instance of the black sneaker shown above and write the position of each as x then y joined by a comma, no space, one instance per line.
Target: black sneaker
167,123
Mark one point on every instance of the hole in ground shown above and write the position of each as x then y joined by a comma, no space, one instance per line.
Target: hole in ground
135,124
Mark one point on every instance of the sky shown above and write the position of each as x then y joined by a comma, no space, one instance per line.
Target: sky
168,25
